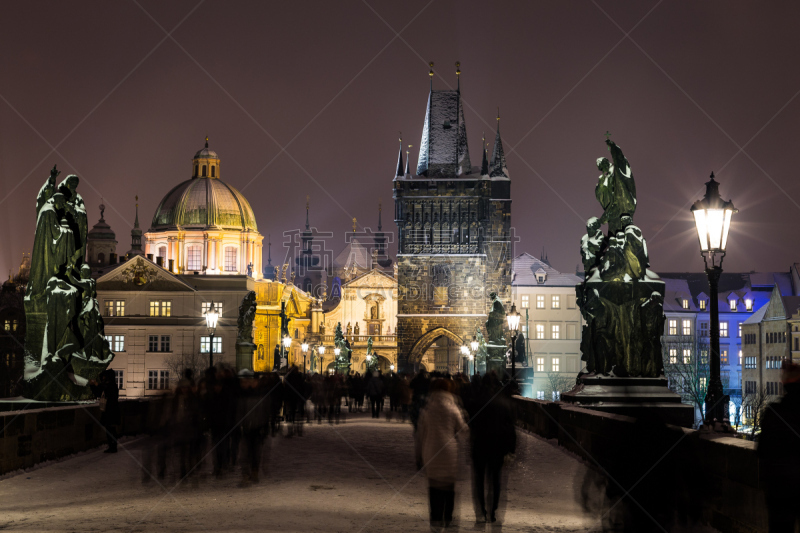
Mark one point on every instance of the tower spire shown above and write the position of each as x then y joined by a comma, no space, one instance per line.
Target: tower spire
458,76
269,250
431,74
400,158
136,220
206,141
380,208
485,162
497,165
307,198
136,234
408,162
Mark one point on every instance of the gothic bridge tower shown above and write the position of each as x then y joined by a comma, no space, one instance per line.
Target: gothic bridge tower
453,225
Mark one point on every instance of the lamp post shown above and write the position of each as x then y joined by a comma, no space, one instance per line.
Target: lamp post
287,341
211,323
304,347
474,345
513,324
336,352
321,351
465,353
369,361
712,217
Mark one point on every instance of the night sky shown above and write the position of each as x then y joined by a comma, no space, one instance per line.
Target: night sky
308,97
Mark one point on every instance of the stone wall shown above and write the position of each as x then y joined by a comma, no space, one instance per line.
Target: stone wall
33,436
711,481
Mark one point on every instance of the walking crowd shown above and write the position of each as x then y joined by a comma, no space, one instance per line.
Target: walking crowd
224,420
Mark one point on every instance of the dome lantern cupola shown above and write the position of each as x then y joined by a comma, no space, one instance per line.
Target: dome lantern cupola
205,163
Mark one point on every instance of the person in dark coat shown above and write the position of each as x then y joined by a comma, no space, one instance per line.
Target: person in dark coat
375,393
493,436
778,461
107,394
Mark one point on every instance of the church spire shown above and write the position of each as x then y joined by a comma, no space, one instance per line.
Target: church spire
136,235
380,208
400,158
307,198
485,162
497,165
408,162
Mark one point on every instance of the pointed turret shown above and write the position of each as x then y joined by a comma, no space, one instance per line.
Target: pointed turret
408,163
497,166
269,270
400,167
136,235
307,199
485,162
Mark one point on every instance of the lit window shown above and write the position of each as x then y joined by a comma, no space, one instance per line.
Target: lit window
702,304
555,302
540,331
206,305
673,356
555,331
687,356
525,301
686,326
160,308
204,343
723,357
556,364
193,257
685,303
733,304
673,326
540,364
703,382
540,301
748,304
230,259
115,307
740,330
540,395
116,342
723,329
704,356
119,377
740,358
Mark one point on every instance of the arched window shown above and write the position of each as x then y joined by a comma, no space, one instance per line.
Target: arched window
231,263
204,171
162,251
194,254
213,169
195,171
101,257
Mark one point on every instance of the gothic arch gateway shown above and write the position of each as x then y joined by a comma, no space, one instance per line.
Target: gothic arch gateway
425,342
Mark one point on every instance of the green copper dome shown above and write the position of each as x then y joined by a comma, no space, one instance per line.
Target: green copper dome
203,202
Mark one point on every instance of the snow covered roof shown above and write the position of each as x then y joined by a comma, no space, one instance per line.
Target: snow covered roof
355,253
675,291
525,267
443,148
758,316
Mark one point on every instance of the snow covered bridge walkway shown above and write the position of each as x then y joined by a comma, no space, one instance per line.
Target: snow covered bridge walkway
352,477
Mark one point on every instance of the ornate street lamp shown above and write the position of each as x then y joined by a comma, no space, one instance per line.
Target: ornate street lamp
321,351
212,316
465,353
287,341
304,347
474,344
513,324
712,216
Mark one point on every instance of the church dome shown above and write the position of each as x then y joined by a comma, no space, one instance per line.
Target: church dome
204,201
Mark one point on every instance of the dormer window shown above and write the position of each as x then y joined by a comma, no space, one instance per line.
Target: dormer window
748,304
732,301
541,276
702,304
685,303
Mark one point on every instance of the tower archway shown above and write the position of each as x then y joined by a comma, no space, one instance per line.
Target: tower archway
427,340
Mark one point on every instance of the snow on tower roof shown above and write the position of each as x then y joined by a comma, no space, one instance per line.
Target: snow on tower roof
443,148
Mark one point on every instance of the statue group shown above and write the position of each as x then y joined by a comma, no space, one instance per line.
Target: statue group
621,300
65,346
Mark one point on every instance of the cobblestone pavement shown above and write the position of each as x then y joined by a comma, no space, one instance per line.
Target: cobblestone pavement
357,476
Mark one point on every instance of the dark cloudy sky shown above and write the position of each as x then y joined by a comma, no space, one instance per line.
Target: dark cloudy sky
308,98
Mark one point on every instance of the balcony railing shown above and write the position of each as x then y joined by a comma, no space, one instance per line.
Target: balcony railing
356,340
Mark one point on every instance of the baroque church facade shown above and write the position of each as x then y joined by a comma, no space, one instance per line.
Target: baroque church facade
453,224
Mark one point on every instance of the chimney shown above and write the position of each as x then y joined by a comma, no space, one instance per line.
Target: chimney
172,265
150,257
112,259
160,261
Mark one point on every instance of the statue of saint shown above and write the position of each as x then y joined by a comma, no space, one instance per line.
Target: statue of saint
47,190
356,330
349,329
53,245
90,322
592,244
494,324
616,189
247,314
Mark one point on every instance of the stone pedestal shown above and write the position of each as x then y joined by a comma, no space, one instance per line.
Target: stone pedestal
634,397
496,360
244,355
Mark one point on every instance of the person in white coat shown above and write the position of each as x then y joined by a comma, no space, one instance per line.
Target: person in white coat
440,425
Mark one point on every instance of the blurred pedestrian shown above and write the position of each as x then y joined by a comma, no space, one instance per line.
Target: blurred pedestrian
779,462
436,447
107,394
375,393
